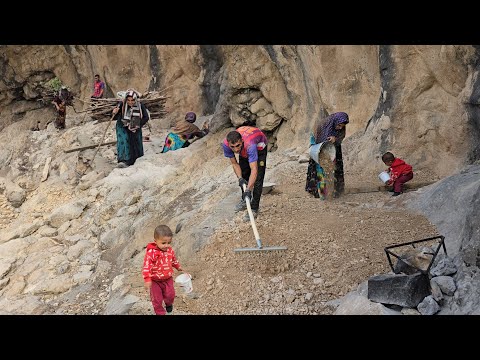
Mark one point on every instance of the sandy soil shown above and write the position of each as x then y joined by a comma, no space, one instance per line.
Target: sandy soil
332,247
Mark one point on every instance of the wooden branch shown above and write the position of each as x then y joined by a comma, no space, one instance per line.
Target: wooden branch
89,147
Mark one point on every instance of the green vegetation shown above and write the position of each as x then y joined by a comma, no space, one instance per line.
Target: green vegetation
55,84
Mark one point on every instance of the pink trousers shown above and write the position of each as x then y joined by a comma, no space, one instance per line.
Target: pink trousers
402,179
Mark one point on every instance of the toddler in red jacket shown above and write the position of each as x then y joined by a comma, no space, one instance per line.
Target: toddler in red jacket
400,172
157,271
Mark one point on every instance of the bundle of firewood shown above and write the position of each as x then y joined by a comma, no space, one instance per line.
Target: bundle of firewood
101,109
51,90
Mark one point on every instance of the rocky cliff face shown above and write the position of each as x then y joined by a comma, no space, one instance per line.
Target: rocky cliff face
419,102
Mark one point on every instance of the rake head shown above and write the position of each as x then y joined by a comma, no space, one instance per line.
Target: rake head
260,249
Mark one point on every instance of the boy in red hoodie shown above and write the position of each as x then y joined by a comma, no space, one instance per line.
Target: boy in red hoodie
157,271
400,172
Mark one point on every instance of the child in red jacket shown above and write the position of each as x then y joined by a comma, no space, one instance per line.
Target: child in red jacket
157,271
400,172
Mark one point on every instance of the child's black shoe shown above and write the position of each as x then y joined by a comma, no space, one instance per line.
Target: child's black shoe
396,193
169,309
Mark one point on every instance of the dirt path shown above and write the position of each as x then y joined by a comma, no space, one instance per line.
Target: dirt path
333,246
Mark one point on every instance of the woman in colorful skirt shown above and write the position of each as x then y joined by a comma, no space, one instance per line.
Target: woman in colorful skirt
183,131
131,115
331,129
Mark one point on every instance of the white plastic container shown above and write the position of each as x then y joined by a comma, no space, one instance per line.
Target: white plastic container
384,176
324,146
185,282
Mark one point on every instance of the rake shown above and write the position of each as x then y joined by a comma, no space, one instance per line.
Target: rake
259,247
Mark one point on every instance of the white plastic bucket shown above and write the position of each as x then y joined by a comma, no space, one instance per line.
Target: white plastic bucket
324,146
384,177
185,282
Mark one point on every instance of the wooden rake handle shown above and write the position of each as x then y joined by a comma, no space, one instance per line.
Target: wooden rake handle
252,220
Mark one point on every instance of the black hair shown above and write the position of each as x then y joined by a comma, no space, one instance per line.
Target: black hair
97,75
161,231
233,137
388,156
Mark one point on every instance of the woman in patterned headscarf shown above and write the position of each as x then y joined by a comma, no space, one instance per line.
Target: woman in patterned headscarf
184,130
331,129
131,115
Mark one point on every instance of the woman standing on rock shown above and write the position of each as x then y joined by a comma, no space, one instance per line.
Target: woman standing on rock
331,129
131,115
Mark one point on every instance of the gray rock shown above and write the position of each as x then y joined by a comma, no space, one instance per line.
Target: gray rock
132,199
63,268
47,231
110,238
57,285
4,282
452,204
402,290
67,212
16,197
354,304
14,193
89,257
444,267
72,239
119,305
89,179
79,248
428,306
21,231
466,299
436,291
83,276
6,265
362,289
408,311
446,284
64,227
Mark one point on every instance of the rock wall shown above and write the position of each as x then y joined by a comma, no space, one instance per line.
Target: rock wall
418,101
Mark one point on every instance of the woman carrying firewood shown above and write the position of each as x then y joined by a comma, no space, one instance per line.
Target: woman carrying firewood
61,112
131,115
63,98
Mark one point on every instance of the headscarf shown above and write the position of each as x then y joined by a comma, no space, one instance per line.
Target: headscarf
325,127
131,93
191,117
136,109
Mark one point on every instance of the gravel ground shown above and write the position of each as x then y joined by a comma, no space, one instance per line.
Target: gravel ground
333,246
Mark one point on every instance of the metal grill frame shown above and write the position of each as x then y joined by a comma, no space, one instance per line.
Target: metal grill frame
412,243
